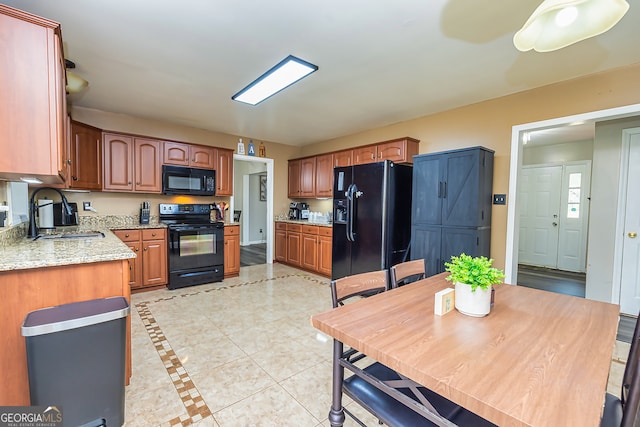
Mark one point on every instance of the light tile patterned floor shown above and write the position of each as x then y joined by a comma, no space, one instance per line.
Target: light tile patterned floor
240,353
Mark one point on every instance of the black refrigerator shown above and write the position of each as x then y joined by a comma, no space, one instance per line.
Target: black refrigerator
371,217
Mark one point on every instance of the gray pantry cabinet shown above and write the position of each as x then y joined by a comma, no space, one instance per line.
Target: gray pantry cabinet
451,205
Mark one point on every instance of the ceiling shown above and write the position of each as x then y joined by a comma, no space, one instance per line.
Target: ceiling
181,62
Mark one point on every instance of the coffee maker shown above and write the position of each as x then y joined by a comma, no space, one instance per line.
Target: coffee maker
296,210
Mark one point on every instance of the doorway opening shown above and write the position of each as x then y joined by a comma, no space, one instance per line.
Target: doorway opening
605,288
253,204
554,215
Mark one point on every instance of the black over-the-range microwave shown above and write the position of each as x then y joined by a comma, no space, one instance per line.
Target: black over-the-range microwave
188,181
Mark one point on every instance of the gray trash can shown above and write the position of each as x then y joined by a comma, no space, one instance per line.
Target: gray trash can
76,360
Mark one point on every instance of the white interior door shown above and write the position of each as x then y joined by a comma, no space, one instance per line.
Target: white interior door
574,217
630,280
539,200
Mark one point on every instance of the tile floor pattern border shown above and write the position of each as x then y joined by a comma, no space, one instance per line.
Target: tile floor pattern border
193,402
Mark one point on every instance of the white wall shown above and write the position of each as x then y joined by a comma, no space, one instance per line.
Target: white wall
557,153
257,214
605,180
254,217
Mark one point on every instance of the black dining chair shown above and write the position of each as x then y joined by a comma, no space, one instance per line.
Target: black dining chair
407,272
624,411
381,390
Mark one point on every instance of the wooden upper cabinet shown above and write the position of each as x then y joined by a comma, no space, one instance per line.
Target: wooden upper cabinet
362,155
343,158
398,150
204,157
118,162
294,179
324,175
308,177
224,172
131,164
147,163
181,154
33,101
175,153
85,168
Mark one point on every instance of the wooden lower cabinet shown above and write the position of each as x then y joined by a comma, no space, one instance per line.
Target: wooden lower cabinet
325,236
281,242
231,251
24,291
304,246
310,247
294,245
150,268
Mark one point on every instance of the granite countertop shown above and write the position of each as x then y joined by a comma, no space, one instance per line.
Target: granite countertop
26,253
304,222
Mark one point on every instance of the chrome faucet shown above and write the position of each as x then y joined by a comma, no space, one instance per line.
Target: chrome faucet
33,228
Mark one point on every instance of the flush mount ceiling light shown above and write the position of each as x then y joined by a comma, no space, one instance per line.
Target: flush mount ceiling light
282,75
75,83
558,23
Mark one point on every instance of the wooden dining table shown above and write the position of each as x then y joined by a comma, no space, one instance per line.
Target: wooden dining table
537,359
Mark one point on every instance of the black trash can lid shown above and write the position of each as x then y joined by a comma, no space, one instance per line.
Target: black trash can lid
74,315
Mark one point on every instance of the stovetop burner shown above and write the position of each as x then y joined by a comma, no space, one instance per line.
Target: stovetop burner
174,213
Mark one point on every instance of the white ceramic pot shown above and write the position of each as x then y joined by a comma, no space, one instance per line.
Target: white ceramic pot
477,304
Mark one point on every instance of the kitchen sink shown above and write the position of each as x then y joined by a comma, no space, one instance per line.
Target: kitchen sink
71,235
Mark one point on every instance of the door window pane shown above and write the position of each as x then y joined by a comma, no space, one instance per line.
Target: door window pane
575,180
573,199
574,211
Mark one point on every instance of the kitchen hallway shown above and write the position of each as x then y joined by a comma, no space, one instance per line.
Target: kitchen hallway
241,352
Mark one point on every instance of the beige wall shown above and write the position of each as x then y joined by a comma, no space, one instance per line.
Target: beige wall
490,123
122,203
487,123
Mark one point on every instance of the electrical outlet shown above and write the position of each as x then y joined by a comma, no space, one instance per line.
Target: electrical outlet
499,199
86,206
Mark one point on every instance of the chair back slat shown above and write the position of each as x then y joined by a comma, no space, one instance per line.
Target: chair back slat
632,362
631,408
401,272
363,284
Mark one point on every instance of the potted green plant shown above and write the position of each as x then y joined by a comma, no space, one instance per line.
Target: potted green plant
473,278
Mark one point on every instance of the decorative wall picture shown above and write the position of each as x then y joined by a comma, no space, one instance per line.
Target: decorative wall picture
263,188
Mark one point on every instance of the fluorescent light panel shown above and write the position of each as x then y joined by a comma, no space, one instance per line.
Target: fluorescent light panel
284,74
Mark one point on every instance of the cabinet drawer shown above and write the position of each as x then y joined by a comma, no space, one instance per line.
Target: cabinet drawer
294,227
310,229
325,231
127,235
232,230
153,234
281,225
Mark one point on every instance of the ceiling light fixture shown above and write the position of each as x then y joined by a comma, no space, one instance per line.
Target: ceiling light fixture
75,83
559,23
282,75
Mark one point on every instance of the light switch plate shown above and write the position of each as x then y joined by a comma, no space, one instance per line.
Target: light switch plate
499,199
86,206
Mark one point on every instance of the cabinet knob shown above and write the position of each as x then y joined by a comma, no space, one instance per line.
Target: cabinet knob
126,235
137,249
153,234
145,249
75,178
129,182
69,161
137,183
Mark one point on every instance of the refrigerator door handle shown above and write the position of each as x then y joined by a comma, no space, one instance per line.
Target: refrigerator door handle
350,212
